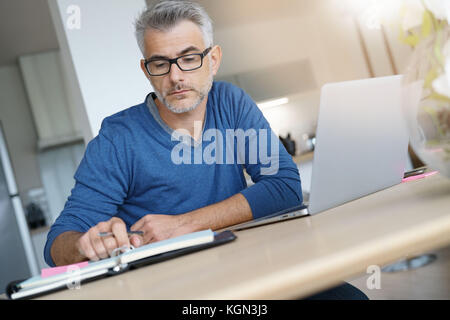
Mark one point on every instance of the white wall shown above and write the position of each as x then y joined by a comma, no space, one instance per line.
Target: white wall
101,58
19,129
330,42
325,34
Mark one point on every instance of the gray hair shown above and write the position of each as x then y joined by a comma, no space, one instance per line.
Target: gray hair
164,15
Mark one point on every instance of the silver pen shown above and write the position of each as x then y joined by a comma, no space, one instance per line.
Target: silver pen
130,233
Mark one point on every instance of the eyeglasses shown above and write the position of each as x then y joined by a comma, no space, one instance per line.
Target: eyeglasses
189,62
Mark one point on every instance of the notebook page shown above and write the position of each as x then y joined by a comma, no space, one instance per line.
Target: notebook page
93,266
184,241
148,250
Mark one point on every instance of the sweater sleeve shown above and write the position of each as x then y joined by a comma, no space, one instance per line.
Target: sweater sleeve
272,169
101,185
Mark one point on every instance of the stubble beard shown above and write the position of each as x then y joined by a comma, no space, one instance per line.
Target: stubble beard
201,93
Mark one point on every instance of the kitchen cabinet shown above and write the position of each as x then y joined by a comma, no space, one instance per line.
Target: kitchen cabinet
47,94
60,144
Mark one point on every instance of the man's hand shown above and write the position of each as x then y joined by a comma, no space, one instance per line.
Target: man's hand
158,227
94,247
72,247
216,216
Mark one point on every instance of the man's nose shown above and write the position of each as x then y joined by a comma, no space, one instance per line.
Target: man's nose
176,74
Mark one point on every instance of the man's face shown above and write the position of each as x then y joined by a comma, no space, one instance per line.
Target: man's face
181,91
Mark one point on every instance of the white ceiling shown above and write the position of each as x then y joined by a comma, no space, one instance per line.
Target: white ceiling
228,13
25,27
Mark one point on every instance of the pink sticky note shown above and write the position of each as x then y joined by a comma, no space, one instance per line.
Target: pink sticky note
48,272
419,176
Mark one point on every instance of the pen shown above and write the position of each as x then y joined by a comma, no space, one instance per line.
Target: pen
109,234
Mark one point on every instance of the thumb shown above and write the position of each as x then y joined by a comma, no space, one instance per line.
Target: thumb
136,241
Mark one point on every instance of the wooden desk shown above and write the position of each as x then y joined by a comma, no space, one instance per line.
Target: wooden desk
296,258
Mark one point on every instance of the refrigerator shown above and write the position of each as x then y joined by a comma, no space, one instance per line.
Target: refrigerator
17,256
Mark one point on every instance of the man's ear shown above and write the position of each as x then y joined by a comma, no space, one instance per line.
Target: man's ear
216,58
144,70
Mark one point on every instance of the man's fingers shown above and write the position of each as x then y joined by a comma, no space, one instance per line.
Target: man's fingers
110,243
97,244
120,233
86,249
149,237
139,226
136,240
91,255
94,247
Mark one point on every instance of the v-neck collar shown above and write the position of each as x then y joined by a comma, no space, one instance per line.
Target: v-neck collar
173,133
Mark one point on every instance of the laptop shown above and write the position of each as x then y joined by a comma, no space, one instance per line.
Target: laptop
361,146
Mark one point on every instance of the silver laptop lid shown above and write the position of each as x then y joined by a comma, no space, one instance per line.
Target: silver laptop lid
361,141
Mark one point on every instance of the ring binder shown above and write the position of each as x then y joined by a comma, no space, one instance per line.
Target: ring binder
120,250
130,259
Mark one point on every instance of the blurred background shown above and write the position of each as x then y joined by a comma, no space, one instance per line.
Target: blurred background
59,77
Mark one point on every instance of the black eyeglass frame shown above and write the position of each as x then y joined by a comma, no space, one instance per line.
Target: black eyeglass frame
175,60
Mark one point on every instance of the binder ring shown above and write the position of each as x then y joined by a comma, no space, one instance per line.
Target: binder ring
121,250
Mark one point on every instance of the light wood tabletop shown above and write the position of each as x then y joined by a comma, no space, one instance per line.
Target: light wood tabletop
296,258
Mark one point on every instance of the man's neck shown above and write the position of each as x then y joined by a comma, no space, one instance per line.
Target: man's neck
187,120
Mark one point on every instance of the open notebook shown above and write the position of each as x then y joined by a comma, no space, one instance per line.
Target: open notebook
147,254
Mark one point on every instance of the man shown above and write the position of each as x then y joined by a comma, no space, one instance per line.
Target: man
174,164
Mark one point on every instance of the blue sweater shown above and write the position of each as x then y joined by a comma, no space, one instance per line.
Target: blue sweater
132,168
